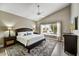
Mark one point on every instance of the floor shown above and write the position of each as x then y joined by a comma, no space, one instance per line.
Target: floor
58,50
3,52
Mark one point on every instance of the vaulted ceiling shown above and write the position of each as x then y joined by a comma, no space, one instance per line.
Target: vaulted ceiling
29,10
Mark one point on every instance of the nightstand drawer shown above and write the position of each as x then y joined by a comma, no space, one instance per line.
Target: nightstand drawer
9,38
10,42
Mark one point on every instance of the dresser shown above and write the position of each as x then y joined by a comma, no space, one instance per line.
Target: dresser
70,43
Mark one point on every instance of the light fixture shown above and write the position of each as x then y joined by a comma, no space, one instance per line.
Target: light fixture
9,29
38,13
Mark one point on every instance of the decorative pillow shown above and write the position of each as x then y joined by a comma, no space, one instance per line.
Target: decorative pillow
25,34
29,33
22,33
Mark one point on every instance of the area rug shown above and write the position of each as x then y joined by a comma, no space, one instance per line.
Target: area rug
44,49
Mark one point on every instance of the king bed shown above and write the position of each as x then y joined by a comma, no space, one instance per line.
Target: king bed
28,39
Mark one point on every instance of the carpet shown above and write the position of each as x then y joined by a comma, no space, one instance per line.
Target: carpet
44,49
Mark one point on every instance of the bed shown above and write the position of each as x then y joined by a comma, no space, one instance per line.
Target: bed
29,41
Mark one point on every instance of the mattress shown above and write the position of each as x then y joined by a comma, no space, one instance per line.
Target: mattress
30,39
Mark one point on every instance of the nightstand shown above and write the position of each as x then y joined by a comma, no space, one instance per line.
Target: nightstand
9,41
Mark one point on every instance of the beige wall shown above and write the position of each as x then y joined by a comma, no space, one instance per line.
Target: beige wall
7,19
62,15
74,12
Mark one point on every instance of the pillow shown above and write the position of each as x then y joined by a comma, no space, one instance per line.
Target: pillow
29,33
25,33
22,33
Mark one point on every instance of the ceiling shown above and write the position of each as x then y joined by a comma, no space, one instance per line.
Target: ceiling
29,10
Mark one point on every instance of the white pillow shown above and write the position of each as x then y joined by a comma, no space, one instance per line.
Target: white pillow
22,33
25,33
29,32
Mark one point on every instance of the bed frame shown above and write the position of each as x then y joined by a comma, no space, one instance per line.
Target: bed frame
31,46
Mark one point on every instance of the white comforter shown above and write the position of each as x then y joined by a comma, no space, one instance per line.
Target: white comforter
30,39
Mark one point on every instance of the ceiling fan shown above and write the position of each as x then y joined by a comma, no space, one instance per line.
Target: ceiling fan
38,13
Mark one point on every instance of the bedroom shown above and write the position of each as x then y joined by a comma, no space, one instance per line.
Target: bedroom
22,19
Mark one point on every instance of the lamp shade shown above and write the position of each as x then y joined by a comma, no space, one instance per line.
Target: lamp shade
9,28
6,33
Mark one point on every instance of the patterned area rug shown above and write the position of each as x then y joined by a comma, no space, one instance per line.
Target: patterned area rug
44,49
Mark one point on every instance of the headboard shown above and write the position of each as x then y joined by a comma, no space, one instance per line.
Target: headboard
22,30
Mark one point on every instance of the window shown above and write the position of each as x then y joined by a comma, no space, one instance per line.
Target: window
49,28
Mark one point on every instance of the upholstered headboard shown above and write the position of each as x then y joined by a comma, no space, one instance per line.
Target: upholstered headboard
22,30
